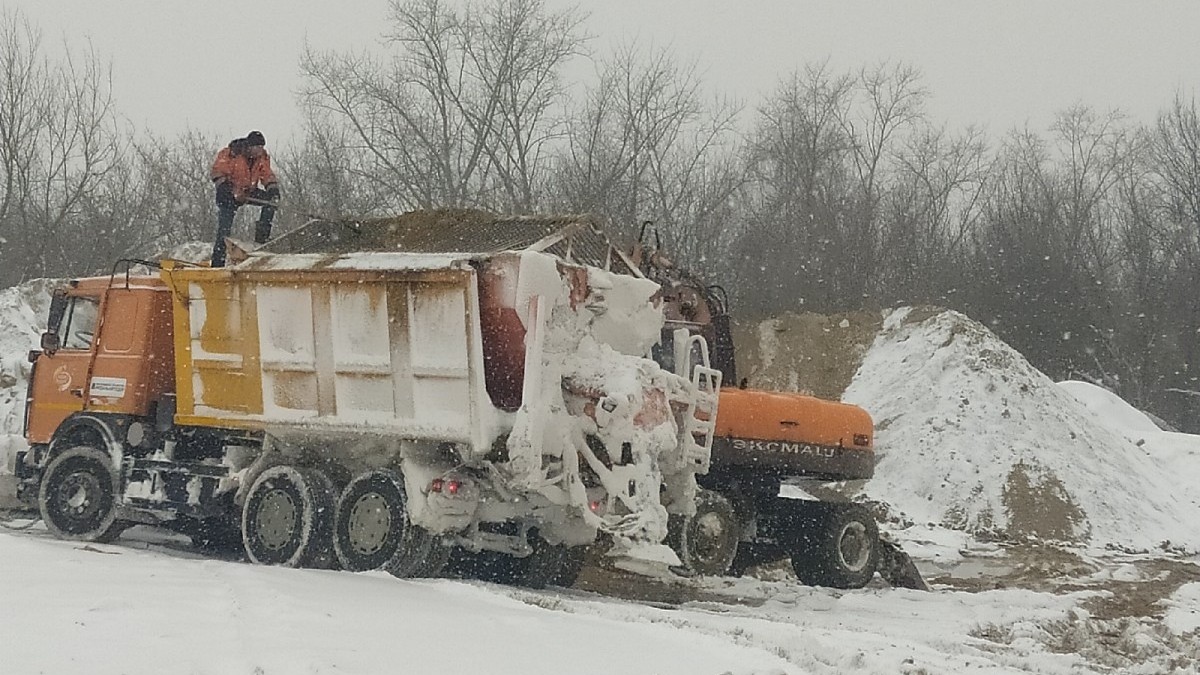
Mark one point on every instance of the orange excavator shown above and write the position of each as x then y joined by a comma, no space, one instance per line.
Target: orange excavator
765,497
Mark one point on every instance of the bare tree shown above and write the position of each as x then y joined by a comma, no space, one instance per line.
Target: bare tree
324,175
1047,260
1162,245
461,114
58,140
646,144
172,196
928,214
824,148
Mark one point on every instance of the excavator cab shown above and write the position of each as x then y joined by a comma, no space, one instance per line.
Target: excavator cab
687,303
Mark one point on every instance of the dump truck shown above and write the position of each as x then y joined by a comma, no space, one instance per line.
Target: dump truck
374,409
774,454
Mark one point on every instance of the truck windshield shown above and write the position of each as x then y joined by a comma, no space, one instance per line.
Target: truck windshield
80,325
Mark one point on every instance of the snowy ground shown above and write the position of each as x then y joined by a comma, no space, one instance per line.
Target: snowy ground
148,605
1059,526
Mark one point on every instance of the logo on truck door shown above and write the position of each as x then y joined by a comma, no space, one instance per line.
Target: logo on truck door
62,378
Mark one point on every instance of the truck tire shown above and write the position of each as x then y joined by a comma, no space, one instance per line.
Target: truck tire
706,542
838,548
372,530
548,565
78,496
288,517
572,564
435,561
220,535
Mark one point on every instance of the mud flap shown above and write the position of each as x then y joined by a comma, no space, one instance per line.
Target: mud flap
897,568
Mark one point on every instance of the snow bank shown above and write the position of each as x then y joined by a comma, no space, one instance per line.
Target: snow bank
104,610
970,436
23,312
1183,610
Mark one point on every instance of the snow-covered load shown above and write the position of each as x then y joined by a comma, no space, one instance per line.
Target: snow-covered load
385,410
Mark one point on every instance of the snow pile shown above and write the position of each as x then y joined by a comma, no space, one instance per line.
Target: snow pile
1183,610
23,311
972,437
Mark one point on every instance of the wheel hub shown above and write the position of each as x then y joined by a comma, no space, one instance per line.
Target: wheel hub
276,519
854,546
78,494
370,523
709,536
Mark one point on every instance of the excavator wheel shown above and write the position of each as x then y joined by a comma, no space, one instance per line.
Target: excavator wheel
288,517
838,547
78,496
372,530
707,541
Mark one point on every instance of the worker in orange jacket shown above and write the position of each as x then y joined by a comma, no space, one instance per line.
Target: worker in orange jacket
241,172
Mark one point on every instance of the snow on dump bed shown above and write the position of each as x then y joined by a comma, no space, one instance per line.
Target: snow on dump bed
969,435
373,260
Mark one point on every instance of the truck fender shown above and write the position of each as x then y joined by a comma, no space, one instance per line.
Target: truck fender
268,458
90,429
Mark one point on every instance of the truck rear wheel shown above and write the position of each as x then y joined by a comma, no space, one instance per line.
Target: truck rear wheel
839,548
78,496
372,530
706,542
288,517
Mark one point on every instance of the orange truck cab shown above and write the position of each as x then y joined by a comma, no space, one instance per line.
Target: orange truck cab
107,350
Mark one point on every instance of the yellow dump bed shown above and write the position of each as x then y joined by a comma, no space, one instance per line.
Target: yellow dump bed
382,342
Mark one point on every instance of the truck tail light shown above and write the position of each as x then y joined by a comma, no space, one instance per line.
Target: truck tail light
450,486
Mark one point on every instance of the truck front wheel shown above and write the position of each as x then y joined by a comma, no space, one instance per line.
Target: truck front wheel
78,496
838,548
706,542
288,517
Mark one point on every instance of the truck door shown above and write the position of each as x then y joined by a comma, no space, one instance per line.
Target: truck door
59,378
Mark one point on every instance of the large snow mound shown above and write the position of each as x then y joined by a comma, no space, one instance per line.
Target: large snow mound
971,436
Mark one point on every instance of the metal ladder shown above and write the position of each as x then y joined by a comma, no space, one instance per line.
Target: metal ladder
700,421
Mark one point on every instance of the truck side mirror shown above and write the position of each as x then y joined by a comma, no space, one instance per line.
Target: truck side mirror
50,342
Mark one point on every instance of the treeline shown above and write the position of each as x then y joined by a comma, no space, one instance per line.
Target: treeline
1079,244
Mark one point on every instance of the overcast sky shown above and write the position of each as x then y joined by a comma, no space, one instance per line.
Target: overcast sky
226,67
